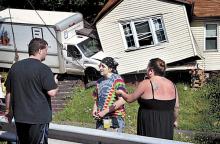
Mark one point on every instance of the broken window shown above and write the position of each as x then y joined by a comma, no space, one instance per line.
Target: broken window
159,29
144,33
128,35
211,37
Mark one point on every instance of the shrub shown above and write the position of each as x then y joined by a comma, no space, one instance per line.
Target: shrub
213,94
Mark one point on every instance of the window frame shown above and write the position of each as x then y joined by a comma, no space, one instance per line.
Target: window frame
134,32
211,50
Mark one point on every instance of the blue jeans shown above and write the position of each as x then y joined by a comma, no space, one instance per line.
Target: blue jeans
121,123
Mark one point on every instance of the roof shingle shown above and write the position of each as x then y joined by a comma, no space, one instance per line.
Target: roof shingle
112,3
202,8
207,8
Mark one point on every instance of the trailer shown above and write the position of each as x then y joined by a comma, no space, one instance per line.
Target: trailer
68,52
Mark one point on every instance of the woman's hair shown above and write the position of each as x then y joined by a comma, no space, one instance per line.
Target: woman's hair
111,63
158,65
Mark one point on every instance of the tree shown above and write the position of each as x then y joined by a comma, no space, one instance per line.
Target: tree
89,8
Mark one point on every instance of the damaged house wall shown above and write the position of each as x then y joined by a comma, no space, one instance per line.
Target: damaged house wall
131,18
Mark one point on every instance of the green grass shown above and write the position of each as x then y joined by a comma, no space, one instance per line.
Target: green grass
194,110
193,115
79,111
79,108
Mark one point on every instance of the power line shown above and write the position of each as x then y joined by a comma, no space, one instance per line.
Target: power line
61,45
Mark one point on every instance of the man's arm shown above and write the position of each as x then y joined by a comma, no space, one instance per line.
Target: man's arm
7,103
176,110
8,112
54,92
94,111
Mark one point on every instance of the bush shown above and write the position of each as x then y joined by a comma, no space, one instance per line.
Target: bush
213,94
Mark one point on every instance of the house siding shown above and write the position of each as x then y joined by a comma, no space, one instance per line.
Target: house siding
211,60
178,47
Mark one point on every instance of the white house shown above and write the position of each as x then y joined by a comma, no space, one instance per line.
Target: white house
134,31
205,28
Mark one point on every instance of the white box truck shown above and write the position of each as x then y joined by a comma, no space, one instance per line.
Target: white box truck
68,53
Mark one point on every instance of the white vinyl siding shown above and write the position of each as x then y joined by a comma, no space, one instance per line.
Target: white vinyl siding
211,58
178,45
143,33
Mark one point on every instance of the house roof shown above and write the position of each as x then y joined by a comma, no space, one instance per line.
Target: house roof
206,8
201,8
112,3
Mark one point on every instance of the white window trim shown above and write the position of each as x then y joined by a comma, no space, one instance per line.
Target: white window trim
152,30
123,36
212,50
134,35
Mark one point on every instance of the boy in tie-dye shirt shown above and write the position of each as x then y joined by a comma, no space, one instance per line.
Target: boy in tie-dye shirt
107,104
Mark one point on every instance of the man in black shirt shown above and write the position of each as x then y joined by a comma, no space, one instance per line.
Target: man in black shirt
29,87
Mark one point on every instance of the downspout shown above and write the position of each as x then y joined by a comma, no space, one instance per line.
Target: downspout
192,10
190,34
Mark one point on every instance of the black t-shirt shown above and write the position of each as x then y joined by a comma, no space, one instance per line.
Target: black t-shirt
28,81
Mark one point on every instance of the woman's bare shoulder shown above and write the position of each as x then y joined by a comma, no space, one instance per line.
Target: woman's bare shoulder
167,81
144,83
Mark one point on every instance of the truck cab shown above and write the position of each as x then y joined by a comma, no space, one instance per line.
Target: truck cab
84,54
68,52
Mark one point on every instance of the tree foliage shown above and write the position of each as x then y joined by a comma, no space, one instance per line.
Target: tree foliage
89,8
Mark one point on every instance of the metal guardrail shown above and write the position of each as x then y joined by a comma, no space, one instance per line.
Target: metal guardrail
8,136
91,136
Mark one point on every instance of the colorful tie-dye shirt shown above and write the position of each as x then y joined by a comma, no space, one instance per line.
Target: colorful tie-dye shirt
105,95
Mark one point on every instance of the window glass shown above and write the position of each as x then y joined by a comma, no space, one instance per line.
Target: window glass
143,33
128,35
72,51
211,30
211,36
89,47
211,43
159,30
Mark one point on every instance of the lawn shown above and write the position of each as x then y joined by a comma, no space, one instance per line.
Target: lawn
199,110
194,112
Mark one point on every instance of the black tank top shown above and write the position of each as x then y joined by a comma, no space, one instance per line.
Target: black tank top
155,104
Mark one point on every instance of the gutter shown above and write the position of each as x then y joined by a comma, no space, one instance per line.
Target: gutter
191,36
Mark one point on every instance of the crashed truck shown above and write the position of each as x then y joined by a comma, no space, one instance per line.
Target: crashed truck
68,52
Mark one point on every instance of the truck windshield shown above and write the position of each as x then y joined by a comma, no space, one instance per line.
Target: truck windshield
89,47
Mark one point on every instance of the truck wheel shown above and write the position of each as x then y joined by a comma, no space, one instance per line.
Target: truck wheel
91,76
